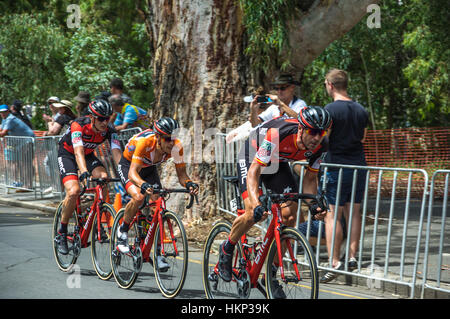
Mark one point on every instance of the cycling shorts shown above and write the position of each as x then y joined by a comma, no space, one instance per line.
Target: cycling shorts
148,174
68,168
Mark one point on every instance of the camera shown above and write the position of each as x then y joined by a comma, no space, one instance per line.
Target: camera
262,99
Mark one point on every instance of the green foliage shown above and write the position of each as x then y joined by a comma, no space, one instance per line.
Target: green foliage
399,72
31,59
266,28
94,58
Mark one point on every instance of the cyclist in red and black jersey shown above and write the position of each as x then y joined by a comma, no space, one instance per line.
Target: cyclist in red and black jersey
75,153
265,156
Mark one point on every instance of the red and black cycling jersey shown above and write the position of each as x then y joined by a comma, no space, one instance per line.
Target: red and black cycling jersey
276,140
81,133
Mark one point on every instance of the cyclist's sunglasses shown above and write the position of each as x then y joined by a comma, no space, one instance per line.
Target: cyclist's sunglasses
280,88
166,138
314,132
102,118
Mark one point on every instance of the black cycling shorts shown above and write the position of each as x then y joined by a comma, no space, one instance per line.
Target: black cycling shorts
68,168
148,174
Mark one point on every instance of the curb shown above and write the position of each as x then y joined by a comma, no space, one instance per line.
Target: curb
24,204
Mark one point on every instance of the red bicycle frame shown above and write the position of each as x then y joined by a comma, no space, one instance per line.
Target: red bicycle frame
95,208
254,267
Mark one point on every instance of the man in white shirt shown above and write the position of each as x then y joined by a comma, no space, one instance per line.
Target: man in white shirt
287,105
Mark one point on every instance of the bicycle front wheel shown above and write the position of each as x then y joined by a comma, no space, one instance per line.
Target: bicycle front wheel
171,267
100,241
125,267
65,262
215,287
300,279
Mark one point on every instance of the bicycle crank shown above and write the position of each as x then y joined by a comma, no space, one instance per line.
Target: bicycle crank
243,284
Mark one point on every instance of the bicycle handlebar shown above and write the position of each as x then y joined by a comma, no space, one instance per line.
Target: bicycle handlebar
165,191
321,200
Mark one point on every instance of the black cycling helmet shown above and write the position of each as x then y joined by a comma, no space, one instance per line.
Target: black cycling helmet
165,125
314,117
100,108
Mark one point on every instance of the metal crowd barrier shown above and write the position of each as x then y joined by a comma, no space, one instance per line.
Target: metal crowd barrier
393,241
390,248
17,156
437,245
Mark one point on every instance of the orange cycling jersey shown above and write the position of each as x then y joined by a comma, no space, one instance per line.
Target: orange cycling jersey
142,146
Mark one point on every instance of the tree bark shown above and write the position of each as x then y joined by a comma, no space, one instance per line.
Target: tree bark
201,73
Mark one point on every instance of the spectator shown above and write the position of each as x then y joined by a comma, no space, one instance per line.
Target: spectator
12,125
127,115
288,104
116,87
103,96
66,116
348,131
83,99
47,118
16,110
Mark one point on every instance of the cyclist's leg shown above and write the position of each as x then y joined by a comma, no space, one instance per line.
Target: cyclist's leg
95,166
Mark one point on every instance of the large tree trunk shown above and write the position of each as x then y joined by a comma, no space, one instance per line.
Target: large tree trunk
201,73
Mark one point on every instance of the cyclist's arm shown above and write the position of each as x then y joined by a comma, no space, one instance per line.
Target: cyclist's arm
78,148
115,148
310,182
78,151
133,173
254,172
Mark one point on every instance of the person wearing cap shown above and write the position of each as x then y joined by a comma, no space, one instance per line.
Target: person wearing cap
127,115
16,110
65,117
284,102
83,99
12,125
54,110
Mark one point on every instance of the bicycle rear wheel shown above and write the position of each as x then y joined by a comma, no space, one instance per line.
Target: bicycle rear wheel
65,262
100,241
303,284
170,281
215,287
125,267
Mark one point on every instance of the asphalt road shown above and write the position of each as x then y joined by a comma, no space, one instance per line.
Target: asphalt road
28,269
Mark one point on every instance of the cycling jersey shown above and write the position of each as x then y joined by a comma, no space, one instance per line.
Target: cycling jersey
279,143
81,133
275,142
142,146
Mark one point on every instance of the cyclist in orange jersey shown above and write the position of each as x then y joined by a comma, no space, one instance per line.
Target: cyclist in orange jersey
137,170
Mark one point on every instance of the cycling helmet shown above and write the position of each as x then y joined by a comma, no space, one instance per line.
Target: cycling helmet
165,125
100,108
314,117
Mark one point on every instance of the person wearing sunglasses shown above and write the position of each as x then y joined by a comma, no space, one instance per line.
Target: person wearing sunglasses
138,171
76,153
346,147
284,101
265,158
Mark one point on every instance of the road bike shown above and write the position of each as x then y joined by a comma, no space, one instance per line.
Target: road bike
290,264
99,218
161,229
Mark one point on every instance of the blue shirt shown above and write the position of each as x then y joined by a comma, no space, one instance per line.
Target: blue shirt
16,127
131,114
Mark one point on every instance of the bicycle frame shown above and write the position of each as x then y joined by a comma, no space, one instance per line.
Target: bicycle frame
94,209
273,232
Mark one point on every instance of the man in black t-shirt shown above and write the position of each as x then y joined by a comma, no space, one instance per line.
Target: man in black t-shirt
350,121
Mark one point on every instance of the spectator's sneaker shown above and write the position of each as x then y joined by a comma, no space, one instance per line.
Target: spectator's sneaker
122,242
63,249
225,264
163,266
352,264
329,276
